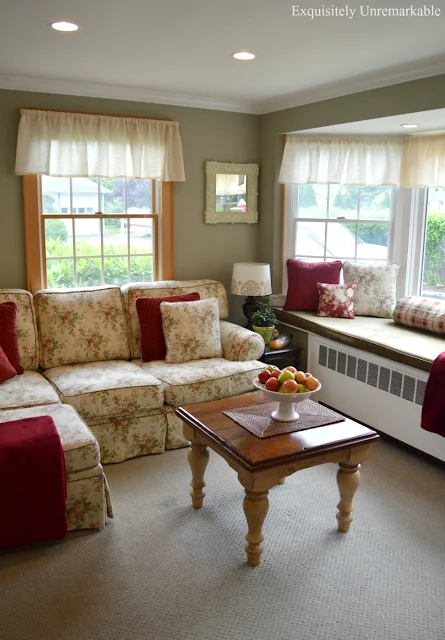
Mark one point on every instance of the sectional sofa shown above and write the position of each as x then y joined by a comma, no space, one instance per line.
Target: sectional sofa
80,349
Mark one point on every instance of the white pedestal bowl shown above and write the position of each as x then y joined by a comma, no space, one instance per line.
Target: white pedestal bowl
285,411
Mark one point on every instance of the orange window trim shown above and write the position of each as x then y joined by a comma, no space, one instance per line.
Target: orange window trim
35,236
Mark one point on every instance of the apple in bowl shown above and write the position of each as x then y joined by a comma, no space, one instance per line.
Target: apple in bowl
287,388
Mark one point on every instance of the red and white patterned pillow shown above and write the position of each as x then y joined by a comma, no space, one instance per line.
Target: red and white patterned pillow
421,313
336,300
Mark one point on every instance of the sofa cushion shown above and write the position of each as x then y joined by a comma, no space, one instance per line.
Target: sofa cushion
81,325
130,293
302,276
28,390
8,334
191,330
7,371
26,326
421,313
107,389
203,380
375,294
336,300
150,322
79,445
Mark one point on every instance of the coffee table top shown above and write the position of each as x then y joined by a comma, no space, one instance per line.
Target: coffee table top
262,453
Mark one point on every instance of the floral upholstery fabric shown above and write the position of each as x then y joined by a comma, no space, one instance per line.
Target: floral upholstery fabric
421,313
130,292
191,330
123,438
107,389
27,390
376,288
203,380
79,445
240,344
88,503
26,326
81,325
336,300
175,430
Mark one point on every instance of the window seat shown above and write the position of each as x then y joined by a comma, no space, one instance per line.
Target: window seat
380,336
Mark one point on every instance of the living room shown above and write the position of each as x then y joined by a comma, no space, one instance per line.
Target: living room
149,570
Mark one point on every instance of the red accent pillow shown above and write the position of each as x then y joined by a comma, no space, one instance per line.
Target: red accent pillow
302,290
7,371
8,334
336,300
150,321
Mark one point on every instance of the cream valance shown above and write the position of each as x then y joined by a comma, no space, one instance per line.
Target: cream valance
404,162
79,144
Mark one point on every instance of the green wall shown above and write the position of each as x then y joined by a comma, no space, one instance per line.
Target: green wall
206,251
201,250
408,97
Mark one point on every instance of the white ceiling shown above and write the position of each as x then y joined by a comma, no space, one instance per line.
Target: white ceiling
179,51
428,121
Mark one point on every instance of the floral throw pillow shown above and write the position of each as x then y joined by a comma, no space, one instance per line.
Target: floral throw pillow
375,294
336,300
191,330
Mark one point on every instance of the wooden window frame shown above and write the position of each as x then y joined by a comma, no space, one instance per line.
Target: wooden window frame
35,234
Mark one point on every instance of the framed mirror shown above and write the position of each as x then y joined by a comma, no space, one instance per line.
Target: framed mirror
231,192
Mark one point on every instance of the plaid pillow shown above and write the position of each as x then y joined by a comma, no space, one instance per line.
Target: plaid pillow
422,313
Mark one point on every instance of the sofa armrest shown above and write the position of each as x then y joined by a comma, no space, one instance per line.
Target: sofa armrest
240,344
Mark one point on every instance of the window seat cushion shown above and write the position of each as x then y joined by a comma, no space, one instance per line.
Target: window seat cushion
380,336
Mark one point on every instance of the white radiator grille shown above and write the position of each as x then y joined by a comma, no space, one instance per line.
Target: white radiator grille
404,386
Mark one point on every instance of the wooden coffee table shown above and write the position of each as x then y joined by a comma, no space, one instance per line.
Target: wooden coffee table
263,463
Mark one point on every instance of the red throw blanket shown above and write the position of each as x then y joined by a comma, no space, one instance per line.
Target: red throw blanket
433,410
32,482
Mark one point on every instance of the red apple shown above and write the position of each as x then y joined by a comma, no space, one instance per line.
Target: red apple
272,384
290,386
264,376
276,373
291,369
311,383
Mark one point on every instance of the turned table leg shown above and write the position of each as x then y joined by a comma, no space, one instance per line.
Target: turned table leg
198,457
256,506
348,479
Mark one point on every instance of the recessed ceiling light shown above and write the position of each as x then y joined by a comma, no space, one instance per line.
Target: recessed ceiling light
243,55
409,126
64,26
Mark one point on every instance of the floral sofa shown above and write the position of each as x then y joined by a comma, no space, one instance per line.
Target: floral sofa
29,395
86,344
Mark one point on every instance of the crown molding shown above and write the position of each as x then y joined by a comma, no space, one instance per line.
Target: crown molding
45,85
373,80
396,74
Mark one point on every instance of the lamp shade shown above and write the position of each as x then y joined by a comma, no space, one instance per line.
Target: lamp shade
251,279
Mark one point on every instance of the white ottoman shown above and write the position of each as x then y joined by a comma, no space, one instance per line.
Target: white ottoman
88,501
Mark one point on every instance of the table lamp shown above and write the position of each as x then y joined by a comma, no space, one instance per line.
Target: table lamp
251,279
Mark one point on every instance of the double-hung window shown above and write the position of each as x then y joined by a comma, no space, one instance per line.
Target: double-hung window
367,224
331,221
98,197
99,231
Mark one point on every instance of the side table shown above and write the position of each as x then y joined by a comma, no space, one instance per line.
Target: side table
290,355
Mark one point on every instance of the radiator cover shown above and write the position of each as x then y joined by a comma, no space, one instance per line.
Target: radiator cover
383,394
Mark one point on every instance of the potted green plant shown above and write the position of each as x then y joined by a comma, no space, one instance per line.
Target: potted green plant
263,322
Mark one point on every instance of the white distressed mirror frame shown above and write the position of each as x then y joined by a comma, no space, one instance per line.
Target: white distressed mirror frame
212,216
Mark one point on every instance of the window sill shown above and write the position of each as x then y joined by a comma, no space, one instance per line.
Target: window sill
380,336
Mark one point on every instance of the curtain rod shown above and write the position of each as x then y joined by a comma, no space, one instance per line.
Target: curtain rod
92,113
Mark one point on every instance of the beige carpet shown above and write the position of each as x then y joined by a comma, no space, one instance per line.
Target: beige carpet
162,571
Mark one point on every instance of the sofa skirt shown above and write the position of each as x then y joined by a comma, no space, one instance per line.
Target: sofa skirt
88,503
123,438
